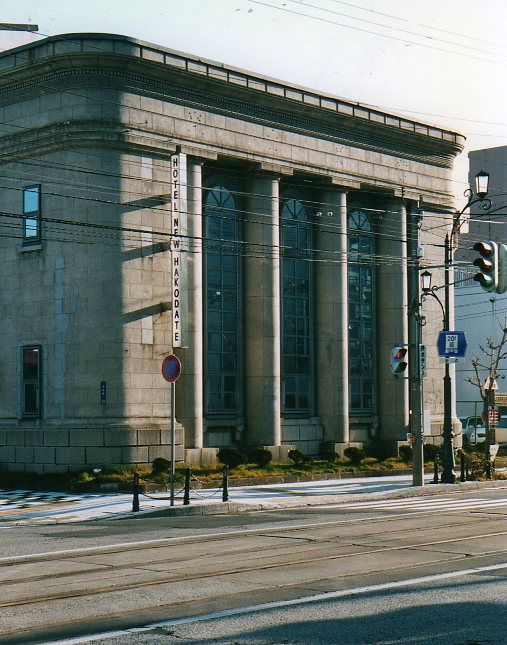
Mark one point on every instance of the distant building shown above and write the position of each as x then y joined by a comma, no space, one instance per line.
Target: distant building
480,314
296,214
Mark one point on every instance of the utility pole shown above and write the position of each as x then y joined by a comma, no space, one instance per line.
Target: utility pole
415,339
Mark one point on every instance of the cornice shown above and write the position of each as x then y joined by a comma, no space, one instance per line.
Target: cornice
100,46
341,129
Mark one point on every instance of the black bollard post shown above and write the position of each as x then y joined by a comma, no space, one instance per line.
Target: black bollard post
463,475
488,468
435,471
225,485
186,494
135,498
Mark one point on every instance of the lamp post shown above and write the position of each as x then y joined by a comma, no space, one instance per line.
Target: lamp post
481,190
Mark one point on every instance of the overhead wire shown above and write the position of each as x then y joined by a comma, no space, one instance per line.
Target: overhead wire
466,46
375,33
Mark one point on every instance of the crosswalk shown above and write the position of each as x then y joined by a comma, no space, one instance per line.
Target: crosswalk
426,504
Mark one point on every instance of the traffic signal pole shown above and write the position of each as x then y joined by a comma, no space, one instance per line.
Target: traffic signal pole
448,474
415,322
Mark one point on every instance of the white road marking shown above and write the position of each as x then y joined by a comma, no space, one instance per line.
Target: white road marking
227,613
419,504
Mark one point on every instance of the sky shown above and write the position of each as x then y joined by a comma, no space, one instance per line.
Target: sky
437,61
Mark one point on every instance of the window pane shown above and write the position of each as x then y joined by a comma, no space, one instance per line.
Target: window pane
30,399
31,227
222,301
361,311
31,199
30,362
296,241
30,358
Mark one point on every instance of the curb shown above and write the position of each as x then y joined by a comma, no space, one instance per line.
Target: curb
224,508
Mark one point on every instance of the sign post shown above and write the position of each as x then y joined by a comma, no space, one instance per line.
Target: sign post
171,370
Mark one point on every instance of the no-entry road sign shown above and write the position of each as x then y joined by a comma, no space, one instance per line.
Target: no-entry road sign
171,368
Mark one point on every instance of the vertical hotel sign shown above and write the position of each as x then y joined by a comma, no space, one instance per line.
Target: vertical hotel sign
179,248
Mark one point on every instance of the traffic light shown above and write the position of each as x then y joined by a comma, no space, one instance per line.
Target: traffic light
488,265
399,359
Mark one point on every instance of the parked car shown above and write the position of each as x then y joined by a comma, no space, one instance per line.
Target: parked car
471,422
473,430
501,430
473,435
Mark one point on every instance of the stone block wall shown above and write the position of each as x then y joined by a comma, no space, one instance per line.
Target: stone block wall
75,449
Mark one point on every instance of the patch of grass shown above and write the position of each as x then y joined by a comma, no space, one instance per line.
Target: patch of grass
123,475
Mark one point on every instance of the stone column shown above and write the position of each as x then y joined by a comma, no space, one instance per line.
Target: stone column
331,320
262,313
392,320
192,379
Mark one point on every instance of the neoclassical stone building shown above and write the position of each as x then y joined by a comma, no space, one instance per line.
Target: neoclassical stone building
291,217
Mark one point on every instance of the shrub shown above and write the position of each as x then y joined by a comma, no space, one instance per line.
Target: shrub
476,465
379,450
261,457
406,453
329,455
297,457
160,465
231,457
431,451
354,455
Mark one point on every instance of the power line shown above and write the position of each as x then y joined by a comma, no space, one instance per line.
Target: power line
405,31
375,33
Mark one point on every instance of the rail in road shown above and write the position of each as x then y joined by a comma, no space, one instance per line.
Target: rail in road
123,585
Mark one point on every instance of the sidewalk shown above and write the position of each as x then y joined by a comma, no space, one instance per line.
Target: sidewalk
25,507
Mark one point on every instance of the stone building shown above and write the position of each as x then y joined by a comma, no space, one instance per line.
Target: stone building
297,213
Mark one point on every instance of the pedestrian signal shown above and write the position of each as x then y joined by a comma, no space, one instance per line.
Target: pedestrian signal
399,359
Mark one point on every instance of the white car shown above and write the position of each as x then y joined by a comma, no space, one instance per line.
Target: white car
474,435
473,430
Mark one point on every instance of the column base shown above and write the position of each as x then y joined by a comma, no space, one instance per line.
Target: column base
280,453
201,456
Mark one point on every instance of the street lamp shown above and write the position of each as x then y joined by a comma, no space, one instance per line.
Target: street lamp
481,190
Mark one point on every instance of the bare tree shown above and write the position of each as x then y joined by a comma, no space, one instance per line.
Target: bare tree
493,353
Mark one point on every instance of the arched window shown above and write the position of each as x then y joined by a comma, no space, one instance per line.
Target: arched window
222,304
297,354
361,277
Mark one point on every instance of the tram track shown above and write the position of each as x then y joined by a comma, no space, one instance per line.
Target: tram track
112,549
119,570
133,583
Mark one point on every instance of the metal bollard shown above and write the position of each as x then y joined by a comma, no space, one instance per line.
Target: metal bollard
435,471
462,463
225,485
488,468
135,498
186,494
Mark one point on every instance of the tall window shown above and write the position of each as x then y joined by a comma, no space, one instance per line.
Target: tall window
222,273
31,382
31,214
297,355
361,312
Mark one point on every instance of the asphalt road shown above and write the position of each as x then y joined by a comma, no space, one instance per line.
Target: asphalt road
420,570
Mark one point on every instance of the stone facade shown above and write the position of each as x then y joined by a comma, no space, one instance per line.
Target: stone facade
92,121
